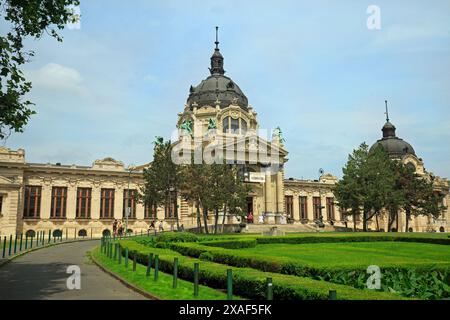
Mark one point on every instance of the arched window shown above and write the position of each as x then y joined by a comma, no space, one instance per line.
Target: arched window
82,233
57,233
441,229
235,126
411,167
30,233
106,233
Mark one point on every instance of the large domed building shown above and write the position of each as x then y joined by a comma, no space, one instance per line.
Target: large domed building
85,200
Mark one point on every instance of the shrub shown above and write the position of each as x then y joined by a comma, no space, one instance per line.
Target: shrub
394,278
231,244
249,282
177,237
206,256
347,238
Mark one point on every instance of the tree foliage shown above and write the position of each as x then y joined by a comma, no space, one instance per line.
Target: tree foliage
211,188
373,183
27,18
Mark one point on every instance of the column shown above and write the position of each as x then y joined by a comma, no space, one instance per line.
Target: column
71,202
296,209
95,202
310,210
46,198
118,204
280,192
268,193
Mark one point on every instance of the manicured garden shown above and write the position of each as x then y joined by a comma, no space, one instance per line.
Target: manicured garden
306,266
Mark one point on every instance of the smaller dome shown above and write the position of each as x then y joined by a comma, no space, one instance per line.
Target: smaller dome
394,146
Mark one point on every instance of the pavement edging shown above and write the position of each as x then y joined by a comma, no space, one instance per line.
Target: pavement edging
123,281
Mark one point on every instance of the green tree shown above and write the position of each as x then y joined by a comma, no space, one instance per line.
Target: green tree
162,180
30,18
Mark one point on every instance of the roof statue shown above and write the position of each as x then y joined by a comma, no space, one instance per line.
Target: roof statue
276,133
212,124
187,126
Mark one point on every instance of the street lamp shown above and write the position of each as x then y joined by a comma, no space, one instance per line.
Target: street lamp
128,208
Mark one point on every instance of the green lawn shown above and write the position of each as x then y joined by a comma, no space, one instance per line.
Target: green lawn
161,288
358,253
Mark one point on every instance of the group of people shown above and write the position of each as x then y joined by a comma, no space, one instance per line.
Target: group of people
118,228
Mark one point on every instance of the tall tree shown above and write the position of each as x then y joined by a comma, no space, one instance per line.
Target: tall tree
163,180
30,18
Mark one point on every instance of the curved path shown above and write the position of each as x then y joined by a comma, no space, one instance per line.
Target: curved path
42,275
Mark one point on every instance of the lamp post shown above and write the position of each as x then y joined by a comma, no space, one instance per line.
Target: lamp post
128,208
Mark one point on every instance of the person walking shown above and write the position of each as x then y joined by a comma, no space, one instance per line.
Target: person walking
115,227
161,227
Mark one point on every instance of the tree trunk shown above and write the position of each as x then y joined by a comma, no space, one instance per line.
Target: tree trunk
175,204
223,218
407,215
354,221
365,215
199,219
378,224
216,219
205,219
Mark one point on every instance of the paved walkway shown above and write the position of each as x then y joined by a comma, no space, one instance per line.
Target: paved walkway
42,275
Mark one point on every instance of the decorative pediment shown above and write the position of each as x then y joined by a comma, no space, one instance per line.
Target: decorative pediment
108,164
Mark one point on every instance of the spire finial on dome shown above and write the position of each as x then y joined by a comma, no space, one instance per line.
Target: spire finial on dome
217,58
387,111
217,38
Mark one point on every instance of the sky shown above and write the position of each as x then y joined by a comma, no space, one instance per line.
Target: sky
313,68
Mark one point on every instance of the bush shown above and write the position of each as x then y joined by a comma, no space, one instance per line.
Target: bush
176,237
249,282
206,256
232,244
410,281
347,238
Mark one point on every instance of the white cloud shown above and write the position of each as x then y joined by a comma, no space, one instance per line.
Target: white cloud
57,77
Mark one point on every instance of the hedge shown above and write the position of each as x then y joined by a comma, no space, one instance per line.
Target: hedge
347,238
251,283
355,276
232,243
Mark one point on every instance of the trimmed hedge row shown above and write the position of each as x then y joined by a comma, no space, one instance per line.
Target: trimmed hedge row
354,276
231,244
352,238
251,283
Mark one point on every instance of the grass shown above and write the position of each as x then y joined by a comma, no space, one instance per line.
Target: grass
250,281
161,288
358,253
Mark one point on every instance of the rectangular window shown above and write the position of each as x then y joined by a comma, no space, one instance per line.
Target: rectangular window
330,208
129,201
32,202
289,200
150,211
107,204
234,126
59,201
84,203
303,208
317,205
1,204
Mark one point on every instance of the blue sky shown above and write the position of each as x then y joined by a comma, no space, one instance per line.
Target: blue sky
313,68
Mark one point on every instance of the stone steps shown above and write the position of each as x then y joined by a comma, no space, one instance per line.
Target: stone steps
286,228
